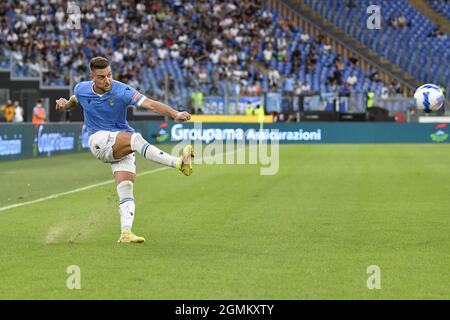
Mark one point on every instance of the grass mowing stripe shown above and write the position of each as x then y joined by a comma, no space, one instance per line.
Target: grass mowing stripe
54,196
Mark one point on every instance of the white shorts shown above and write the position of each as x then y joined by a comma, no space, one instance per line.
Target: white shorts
101,144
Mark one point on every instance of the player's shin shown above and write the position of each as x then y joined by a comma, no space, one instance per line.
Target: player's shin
126,205
150,152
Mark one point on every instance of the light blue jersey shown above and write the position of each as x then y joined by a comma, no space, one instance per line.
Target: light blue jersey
108,111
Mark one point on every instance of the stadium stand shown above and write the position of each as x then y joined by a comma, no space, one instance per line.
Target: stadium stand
172,48
414,36
441,6
232,53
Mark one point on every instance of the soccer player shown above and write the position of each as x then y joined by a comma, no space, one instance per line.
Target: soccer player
112,140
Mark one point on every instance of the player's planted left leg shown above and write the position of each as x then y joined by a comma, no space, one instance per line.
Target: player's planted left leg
126,210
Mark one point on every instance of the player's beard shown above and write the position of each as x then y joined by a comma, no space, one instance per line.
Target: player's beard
103,89
107,88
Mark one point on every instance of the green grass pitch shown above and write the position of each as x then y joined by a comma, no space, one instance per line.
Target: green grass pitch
309,232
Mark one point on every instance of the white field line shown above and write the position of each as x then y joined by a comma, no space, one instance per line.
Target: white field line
54,196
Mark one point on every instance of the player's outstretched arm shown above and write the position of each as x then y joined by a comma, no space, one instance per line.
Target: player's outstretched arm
165,110
64,104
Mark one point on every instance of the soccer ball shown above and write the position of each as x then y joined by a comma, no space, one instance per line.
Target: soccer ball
429,98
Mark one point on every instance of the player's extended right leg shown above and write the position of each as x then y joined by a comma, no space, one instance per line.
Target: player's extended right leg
126,206
150,152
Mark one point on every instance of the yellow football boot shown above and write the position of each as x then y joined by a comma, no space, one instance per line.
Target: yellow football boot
130,237
184,163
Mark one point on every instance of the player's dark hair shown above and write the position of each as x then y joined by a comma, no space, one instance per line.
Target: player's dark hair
98,63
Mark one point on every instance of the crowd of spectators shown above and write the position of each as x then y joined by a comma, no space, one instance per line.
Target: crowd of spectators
400,21
438,33
209,41
39,37
11,112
